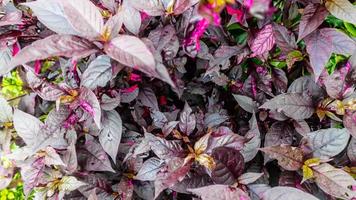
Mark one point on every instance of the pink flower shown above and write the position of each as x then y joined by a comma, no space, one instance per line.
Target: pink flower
135,77
37,67
248,3
15,49
86,106
71,120
130,89
239,14
144,16
197,33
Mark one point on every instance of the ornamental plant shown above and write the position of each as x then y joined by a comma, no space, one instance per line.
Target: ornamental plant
178,99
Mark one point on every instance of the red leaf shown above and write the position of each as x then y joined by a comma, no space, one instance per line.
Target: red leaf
263,42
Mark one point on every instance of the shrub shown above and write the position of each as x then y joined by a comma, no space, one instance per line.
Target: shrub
178,99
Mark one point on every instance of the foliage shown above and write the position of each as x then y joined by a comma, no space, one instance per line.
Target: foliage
178,99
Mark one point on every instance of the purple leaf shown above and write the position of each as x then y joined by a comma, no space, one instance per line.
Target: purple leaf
326,143
281,193
280,80
164,149
131,17
42,88
246,103
250,148
97,160
341,43
54,45
148,98
132,52
149,169
313,16
221,192
110,134
229,165
169,175
93,103
51,14
85,18
319,48
295,105
284,38
191,182
151,7
5,110
98,73
307,85
263,41
187,120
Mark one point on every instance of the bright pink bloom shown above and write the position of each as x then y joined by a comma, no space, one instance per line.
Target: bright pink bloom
37,67
71,120
248,3
135,77
130,89
197,33
144,16
234,11
15,49
86,106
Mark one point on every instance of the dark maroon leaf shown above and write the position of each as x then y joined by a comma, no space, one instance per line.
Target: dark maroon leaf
313,16
229,165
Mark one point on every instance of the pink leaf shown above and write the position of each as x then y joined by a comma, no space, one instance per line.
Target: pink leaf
55,45
263,42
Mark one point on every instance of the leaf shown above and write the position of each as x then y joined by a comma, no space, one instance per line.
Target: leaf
285,39
263,42
333,181
280,80
47,91
85,17
319,48
342,44
97,160
249,177
246,103
294,105
342,9
5,110
351,150
313,16
230,140
191,182
110,134
54,45
98,73
229,165
164,149
282,193
5,59
174,171
69,183
132,52
350,123
327,143
290,158
151,7
187,120
221,192
130,17
148,98
31,174
90,97
251,147
149,170
306,85
182,5
51,14
168,127
52,157
27,127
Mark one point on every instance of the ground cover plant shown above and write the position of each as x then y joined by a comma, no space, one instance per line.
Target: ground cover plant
178,99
